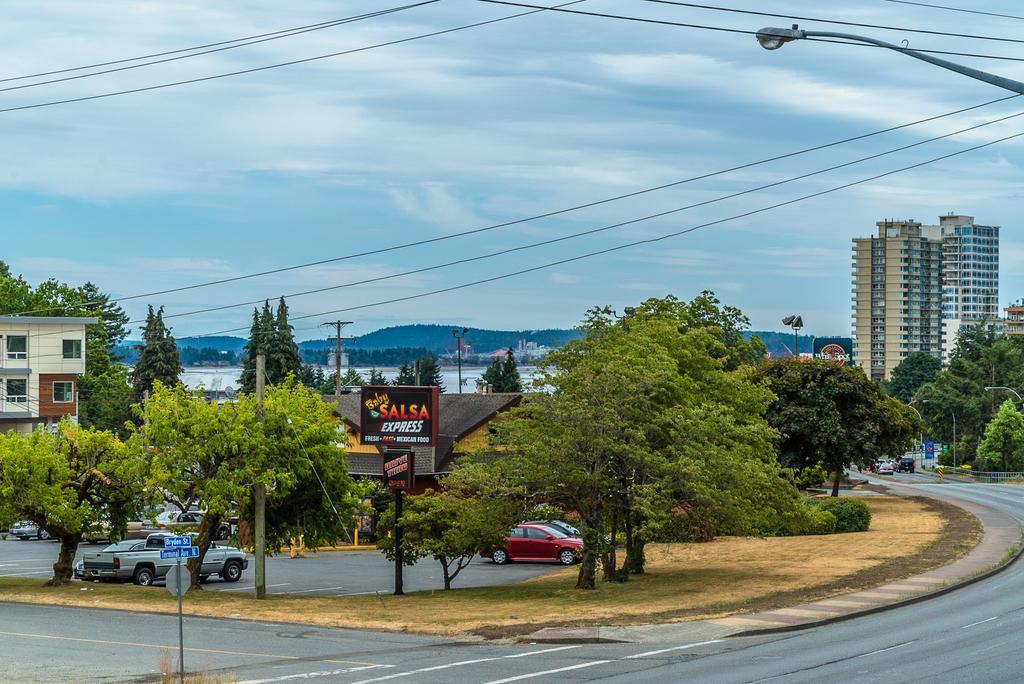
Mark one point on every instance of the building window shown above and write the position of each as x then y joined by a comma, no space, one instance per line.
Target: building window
72,349
63,392
17,392
17,347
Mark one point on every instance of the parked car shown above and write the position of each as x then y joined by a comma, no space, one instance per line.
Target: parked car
26,529
560,525
140,562
906,464
884,468
530,542
173,521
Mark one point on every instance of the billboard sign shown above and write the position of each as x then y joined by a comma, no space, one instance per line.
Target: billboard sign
399,469
834,349
929,449
402,416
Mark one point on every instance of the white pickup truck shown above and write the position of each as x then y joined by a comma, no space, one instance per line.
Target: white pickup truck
139,561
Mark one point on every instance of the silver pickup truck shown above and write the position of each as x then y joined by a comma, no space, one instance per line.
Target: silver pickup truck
139,561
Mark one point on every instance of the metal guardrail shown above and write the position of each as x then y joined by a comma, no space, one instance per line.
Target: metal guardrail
993,477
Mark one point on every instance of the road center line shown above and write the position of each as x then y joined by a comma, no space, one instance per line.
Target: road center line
883,650
674,648
311,675
272,656
531,675
980,622
435,668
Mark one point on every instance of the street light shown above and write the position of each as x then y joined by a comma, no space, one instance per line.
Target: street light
458,338
1008,389
952,413
795,322
772,38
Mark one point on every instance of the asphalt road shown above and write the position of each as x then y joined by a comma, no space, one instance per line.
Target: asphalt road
330,573
970,635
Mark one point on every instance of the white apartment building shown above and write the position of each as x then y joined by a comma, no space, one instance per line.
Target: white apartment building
40,361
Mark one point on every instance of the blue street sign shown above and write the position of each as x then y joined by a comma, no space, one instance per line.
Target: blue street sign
182,552
172,542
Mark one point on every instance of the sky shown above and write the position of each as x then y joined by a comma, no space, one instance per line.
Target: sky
178,186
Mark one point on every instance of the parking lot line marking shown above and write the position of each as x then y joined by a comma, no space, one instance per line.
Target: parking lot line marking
674,648
253,588
531,675
311,675
29,635
307,591
459,663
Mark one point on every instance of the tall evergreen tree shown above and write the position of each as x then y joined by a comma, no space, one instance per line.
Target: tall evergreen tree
376,378
430,372
158,358
493,375
510,379
406,375
261,335
283,354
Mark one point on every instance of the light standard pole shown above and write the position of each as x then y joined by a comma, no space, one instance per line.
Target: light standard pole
952,413
920,435
1008,389
459,335
795,322
773,38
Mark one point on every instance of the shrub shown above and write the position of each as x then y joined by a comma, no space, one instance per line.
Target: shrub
811,476
852,515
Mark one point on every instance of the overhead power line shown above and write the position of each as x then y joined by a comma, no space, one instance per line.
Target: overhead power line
637,243
884,27
955,9
280,35
230,44
548,214
252,70
723,29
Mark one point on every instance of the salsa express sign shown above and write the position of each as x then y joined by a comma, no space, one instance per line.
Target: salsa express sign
398,416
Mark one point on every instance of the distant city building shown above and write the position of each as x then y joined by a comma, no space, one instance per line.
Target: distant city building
897,296
917,286
970,276
1014,323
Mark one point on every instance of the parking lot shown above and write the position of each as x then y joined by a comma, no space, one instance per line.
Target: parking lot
330,573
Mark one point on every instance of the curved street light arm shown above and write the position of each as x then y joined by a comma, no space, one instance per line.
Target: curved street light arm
772,38
1008,389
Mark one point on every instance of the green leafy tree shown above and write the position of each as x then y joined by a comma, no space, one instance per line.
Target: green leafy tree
158,360
1002,448
71,481
833,415
376,378
503,376
105,400
493,374
113,318
914,371
449,527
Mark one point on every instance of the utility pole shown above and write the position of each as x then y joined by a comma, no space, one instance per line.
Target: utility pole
459,335
337,352
416,366
260,495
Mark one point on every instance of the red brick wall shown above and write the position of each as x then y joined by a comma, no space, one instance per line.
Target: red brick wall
47,407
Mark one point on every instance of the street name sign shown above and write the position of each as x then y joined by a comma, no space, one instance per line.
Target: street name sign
172,542
183,552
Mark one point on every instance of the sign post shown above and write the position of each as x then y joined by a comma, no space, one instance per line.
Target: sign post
396,419
177,582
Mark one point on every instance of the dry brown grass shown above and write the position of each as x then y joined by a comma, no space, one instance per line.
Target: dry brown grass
683,582
169,673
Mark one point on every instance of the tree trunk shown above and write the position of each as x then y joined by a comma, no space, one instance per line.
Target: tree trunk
835,482
609,561
64,566
635,558
588,570
445,570
207,531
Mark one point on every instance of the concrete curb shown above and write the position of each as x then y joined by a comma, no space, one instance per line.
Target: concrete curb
949,588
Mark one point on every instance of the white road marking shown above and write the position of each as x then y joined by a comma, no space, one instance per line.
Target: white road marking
446,666
311,675
362,593
24,574
531,675
674,648
980,622
883,650
283,584
307,591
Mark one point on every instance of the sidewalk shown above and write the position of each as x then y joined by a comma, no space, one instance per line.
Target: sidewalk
1001,531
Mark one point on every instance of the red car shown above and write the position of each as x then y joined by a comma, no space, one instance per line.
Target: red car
536,543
